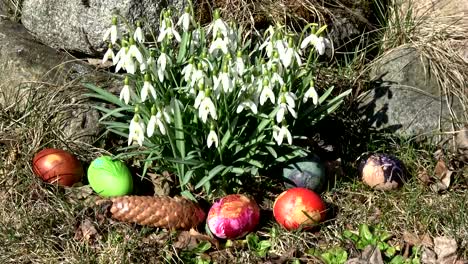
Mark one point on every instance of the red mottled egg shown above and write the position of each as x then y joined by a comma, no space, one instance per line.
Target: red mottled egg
57,166
233,216
382,172
299,207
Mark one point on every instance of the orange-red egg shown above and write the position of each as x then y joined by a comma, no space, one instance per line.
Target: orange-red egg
57,166
299,208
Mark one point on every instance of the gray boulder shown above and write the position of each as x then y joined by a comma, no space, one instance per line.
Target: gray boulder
405,98
28,67
79,25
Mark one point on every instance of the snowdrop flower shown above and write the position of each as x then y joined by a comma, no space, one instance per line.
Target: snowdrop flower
199,98
212,138
311,93
288,54
163,61
219,44
239,68
267,93
218,25
112,31
157,119
168,30
150,63
109,54
134,52
185,19
125,92
147,87
138,35
189,70
280,133
207,108
275,77
320,43
247,104
223,80
136,131
286,105
268,44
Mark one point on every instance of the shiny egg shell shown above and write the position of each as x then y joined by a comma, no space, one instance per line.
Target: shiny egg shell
382,172
57,166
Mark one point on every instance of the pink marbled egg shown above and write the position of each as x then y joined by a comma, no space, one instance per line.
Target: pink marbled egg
233,216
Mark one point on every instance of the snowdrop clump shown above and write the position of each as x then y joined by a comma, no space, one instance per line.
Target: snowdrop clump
216,87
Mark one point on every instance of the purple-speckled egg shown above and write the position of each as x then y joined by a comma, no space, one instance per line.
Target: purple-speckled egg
382,172
233,216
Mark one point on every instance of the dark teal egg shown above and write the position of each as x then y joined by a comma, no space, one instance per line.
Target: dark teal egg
307,173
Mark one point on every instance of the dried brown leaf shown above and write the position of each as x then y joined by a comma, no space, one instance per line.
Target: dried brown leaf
445,249
423,176
411,239
161,183
462,144
443,174
86,231
370,255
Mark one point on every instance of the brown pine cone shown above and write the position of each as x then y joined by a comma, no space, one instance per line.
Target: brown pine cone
158,211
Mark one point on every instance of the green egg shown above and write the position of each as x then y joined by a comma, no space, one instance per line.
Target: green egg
109,177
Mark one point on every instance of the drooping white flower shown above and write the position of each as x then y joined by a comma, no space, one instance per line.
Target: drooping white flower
283,109
168,31
136,131
239,68
199,98
320,43
134,52
150,64
288,54
207,108
219,44
108,55
138,35
223,80
247,104
218,25
280,133
147,87
185,20
189,70
125,92
266,92
311,93
112,31
212,139
163,61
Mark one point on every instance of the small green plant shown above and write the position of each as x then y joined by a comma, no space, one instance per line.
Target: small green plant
195,255
260,247
335,255
215,105
375,237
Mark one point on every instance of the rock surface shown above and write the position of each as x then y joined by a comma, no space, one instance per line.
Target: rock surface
27,64
79,25
406,98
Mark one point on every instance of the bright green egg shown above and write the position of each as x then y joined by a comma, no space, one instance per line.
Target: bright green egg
109,177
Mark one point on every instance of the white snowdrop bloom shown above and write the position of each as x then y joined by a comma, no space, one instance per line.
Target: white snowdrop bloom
239,65
125,92
226,82
149,65
218,25
189,70
198,76
288,54
276,79
212,139
147,88
266,92
284,108
219,44
201,95
151,126
280,133
138,35
168,31
268,46
163,61
121,58
185,20
320,43
111,32
207,108
160,123
311,93
247,104
134,52
136,131
108,55
290,98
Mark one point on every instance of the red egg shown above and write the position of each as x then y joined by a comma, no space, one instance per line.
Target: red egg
57,166
299,207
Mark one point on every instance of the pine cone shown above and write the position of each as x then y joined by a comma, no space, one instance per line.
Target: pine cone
158,211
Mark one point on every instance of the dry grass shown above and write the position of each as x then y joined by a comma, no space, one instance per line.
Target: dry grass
440,35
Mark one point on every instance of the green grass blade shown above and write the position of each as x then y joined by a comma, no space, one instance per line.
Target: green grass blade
213,172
